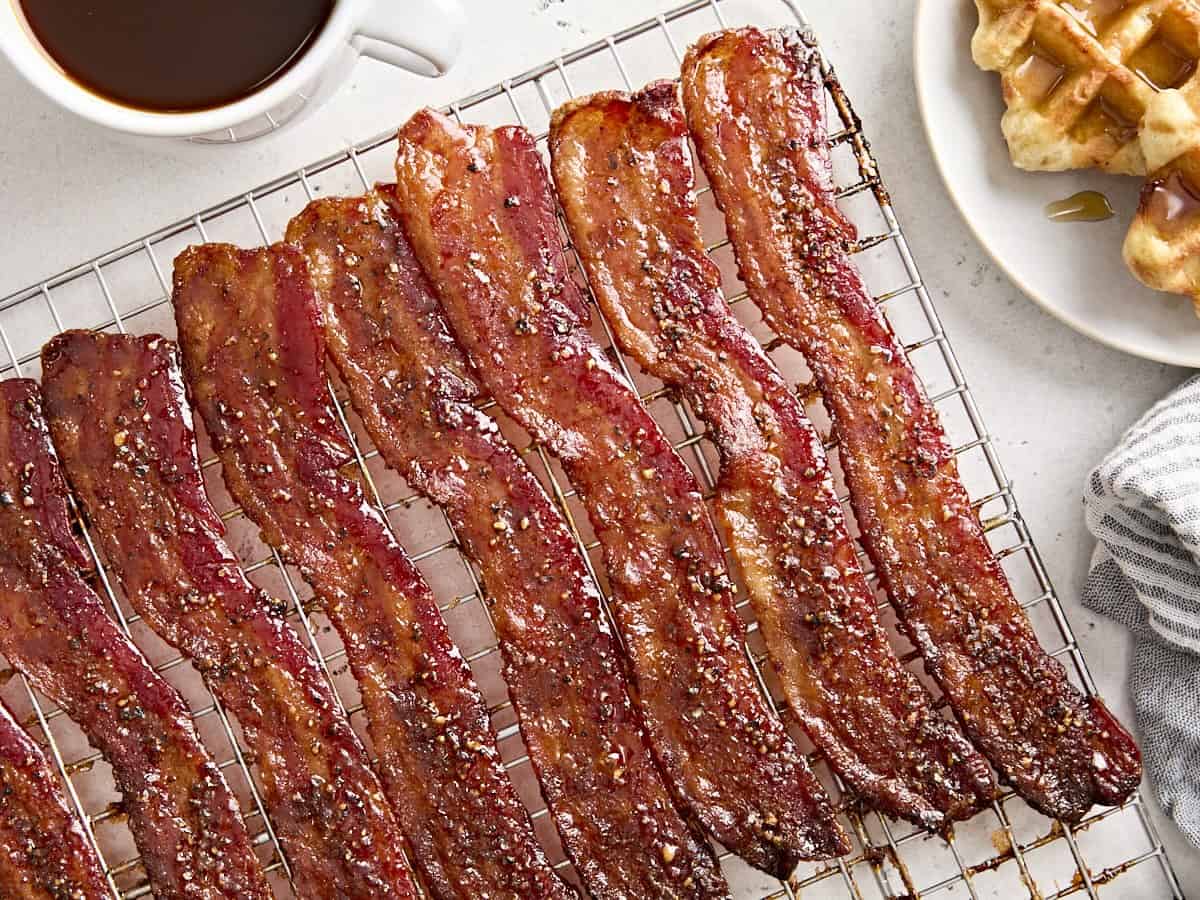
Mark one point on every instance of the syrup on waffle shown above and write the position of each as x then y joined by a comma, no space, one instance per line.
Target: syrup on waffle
1078,75
1114,85
1162,248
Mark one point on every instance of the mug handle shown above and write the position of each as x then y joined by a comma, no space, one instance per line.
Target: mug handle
425,40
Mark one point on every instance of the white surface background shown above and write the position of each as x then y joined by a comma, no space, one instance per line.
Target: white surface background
1055,401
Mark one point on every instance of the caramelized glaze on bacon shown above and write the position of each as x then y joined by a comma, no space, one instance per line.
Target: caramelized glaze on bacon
120,423
44,853
624,174
477,205
54,630
413,389
754,102
254,352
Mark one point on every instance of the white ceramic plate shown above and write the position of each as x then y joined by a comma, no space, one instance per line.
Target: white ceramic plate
1074,270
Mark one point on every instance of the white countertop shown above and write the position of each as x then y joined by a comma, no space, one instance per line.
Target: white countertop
1054,400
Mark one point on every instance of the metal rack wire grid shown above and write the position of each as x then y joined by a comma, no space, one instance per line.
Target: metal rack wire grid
1006,851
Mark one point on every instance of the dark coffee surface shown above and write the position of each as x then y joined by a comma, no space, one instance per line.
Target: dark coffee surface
175,55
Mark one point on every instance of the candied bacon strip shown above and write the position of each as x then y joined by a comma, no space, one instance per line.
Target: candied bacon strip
54,630
44,852
120,423
476,204
624,174
414,390
253,346
754,101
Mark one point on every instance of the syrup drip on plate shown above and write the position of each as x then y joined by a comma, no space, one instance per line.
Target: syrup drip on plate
1086,206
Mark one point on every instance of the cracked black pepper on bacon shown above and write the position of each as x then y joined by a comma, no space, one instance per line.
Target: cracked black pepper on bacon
120,423
414,390
624,174
251,332
44,852
477,206
755,105
54,630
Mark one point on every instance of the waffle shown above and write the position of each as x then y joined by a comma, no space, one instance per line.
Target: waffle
1113,85
1078,75
1162,248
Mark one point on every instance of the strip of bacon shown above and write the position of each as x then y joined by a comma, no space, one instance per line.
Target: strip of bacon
754,102
44,853
254,351
477,205
121,426
415,392
623,171
54,630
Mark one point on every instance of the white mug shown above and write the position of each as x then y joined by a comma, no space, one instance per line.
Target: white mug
422,36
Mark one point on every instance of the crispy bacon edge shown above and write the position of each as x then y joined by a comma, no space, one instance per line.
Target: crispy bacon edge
252,336
754,94
477,206
120,423
624,175
184,819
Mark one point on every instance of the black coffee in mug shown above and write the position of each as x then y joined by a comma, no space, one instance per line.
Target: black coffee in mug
175,55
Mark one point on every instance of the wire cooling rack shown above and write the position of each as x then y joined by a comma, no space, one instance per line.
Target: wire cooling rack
1006,851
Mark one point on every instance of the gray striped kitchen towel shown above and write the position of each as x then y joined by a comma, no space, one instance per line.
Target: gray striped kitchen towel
1142,503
